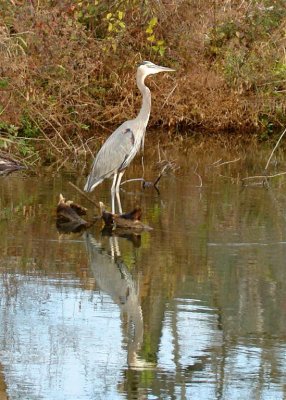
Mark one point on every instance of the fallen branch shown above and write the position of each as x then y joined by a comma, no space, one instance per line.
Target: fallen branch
263,176
84,195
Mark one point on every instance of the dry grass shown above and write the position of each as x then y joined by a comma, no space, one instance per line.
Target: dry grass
63,77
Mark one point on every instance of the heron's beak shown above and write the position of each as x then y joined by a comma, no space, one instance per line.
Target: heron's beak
164,69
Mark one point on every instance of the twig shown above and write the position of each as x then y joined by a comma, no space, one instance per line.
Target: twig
215,163
275,147
263,176
199,176
226,162
132,180
170,94
143,167
84,195
159,154
62,163
8,102
160,176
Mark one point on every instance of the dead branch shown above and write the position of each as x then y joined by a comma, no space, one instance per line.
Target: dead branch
84,195
166,166
263,176
132,180
275,147
215,165
199,176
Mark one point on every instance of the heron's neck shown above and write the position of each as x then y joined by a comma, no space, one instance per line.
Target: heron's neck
144,113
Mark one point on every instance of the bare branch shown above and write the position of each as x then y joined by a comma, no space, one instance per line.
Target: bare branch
263,176
226,162
199,176
84,195
275,147
132,180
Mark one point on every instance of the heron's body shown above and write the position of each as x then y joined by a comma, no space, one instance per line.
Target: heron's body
117,153
121,147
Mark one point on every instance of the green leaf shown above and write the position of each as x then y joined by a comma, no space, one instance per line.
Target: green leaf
120,15
4,83
108,16
153,22
151,38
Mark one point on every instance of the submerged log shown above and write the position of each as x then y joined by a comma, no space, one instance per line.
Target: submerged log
8,164
69,219
69,216
126,221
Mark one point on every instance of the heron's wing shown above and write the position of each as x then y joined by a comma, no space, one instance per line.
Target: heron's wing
116,153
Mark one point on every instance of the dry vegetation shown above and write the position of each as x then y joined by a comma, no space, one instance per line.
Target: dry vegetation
67,69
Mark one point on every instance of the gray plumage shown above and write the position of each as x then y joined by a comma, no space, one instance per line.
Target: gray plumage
116,153
121,147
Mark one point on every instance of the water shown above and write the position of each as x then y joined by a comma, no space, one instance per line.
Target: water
193,309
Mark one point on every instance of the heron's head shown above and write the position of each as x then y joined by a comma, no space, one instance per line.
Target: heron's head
148,68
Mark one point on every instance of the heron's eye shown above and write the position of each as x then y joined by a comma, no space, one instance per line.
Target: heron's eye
144,63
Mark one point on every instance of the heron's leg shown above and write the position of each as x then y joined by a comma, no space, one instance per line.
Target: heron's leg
120,175
119,202
113,188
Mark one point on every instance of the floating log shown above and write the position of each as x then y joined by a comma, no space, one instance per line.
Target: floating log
8,164
69,216
126,221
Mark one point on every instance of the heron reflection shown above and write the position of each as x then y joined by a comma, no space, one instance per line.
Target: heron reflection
113,277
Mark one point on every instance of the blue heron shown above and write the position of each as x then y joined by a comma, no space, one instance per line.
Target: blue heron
120,148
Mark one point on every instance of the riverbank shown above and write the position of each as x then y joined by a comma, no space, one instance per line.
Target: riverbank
68,71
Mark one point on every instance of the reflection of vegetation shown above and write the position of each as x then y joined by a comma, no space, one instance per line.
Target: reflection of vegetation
3,386
206,246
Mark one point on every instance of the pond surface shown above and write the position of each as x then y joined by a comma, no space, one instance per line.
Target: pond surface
194,309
